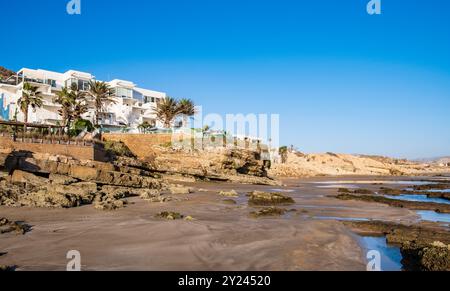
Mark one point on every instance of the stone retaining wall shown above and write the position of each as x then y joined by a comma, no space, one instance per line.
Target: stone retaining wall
80,152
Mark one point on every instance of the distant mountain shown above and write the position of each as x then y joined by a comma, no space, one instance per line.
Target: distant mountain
5,73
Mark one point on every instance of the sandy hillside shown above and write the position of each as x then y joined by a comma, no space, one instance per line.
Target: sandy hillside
300,165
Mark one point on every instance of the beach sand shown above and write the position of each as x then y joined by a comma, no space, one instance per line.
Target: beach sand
222,236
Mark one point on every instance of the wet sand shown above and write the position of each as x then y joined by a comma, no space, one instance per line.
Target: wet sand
222,236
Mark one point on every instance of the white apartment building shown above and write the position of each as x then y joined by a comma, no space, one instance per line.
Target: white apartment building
132,106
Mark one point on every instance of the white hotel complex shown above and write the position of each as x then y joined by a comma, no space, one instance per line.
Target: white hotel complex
132,106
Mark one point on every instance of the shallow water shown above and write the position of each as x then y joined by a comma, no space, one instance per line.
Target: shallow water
341,218
430,190
418,198
434,216
415,183
439,190
349,186
390,255
282,190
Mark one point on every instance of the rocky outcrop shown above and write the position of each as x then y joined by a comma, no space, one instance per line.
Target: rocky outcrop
397,192
169,215
130,172
422,248
239,161
7,226
441,208
39,180
60,182
43,180
98,172
268,211
265,198
428,257
219,164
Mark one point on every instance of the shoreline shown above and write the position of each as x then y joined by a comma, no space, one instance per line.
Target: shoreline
221,236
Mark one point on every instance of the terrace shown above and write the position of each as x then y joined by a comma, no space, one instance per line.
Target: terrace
19,132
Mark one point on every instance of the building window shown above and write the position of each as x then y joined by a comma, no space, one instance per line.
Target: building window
82,85
124,93
51,83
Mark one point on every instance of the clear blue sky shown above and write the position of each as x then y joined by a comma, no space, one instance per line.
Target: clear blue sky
342,80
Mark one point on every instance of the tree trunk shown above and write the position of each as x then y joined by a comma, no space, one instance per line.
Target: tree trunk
96,116
25,120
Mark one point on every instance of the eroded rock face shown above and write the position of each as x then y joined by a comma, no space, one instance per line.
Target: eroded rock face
61,179
19,176
104,173
42,180
266,198
26,189
240,161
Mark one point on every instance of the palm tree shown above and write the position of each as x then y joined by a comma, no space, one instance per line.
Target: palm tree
102,94
80,106
30,97
167,110
66,100
73,104
187,109
144,126
205,129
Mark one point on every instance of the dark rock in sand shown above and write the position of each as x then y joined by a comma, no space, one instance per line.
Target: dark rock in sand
441,186
430,257
356,191
441,208
7,226
397,192
169,215
266,198
268,211
400,233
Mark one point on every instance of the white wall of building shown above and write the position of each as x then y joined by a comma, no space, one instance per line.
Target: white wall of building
133,105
